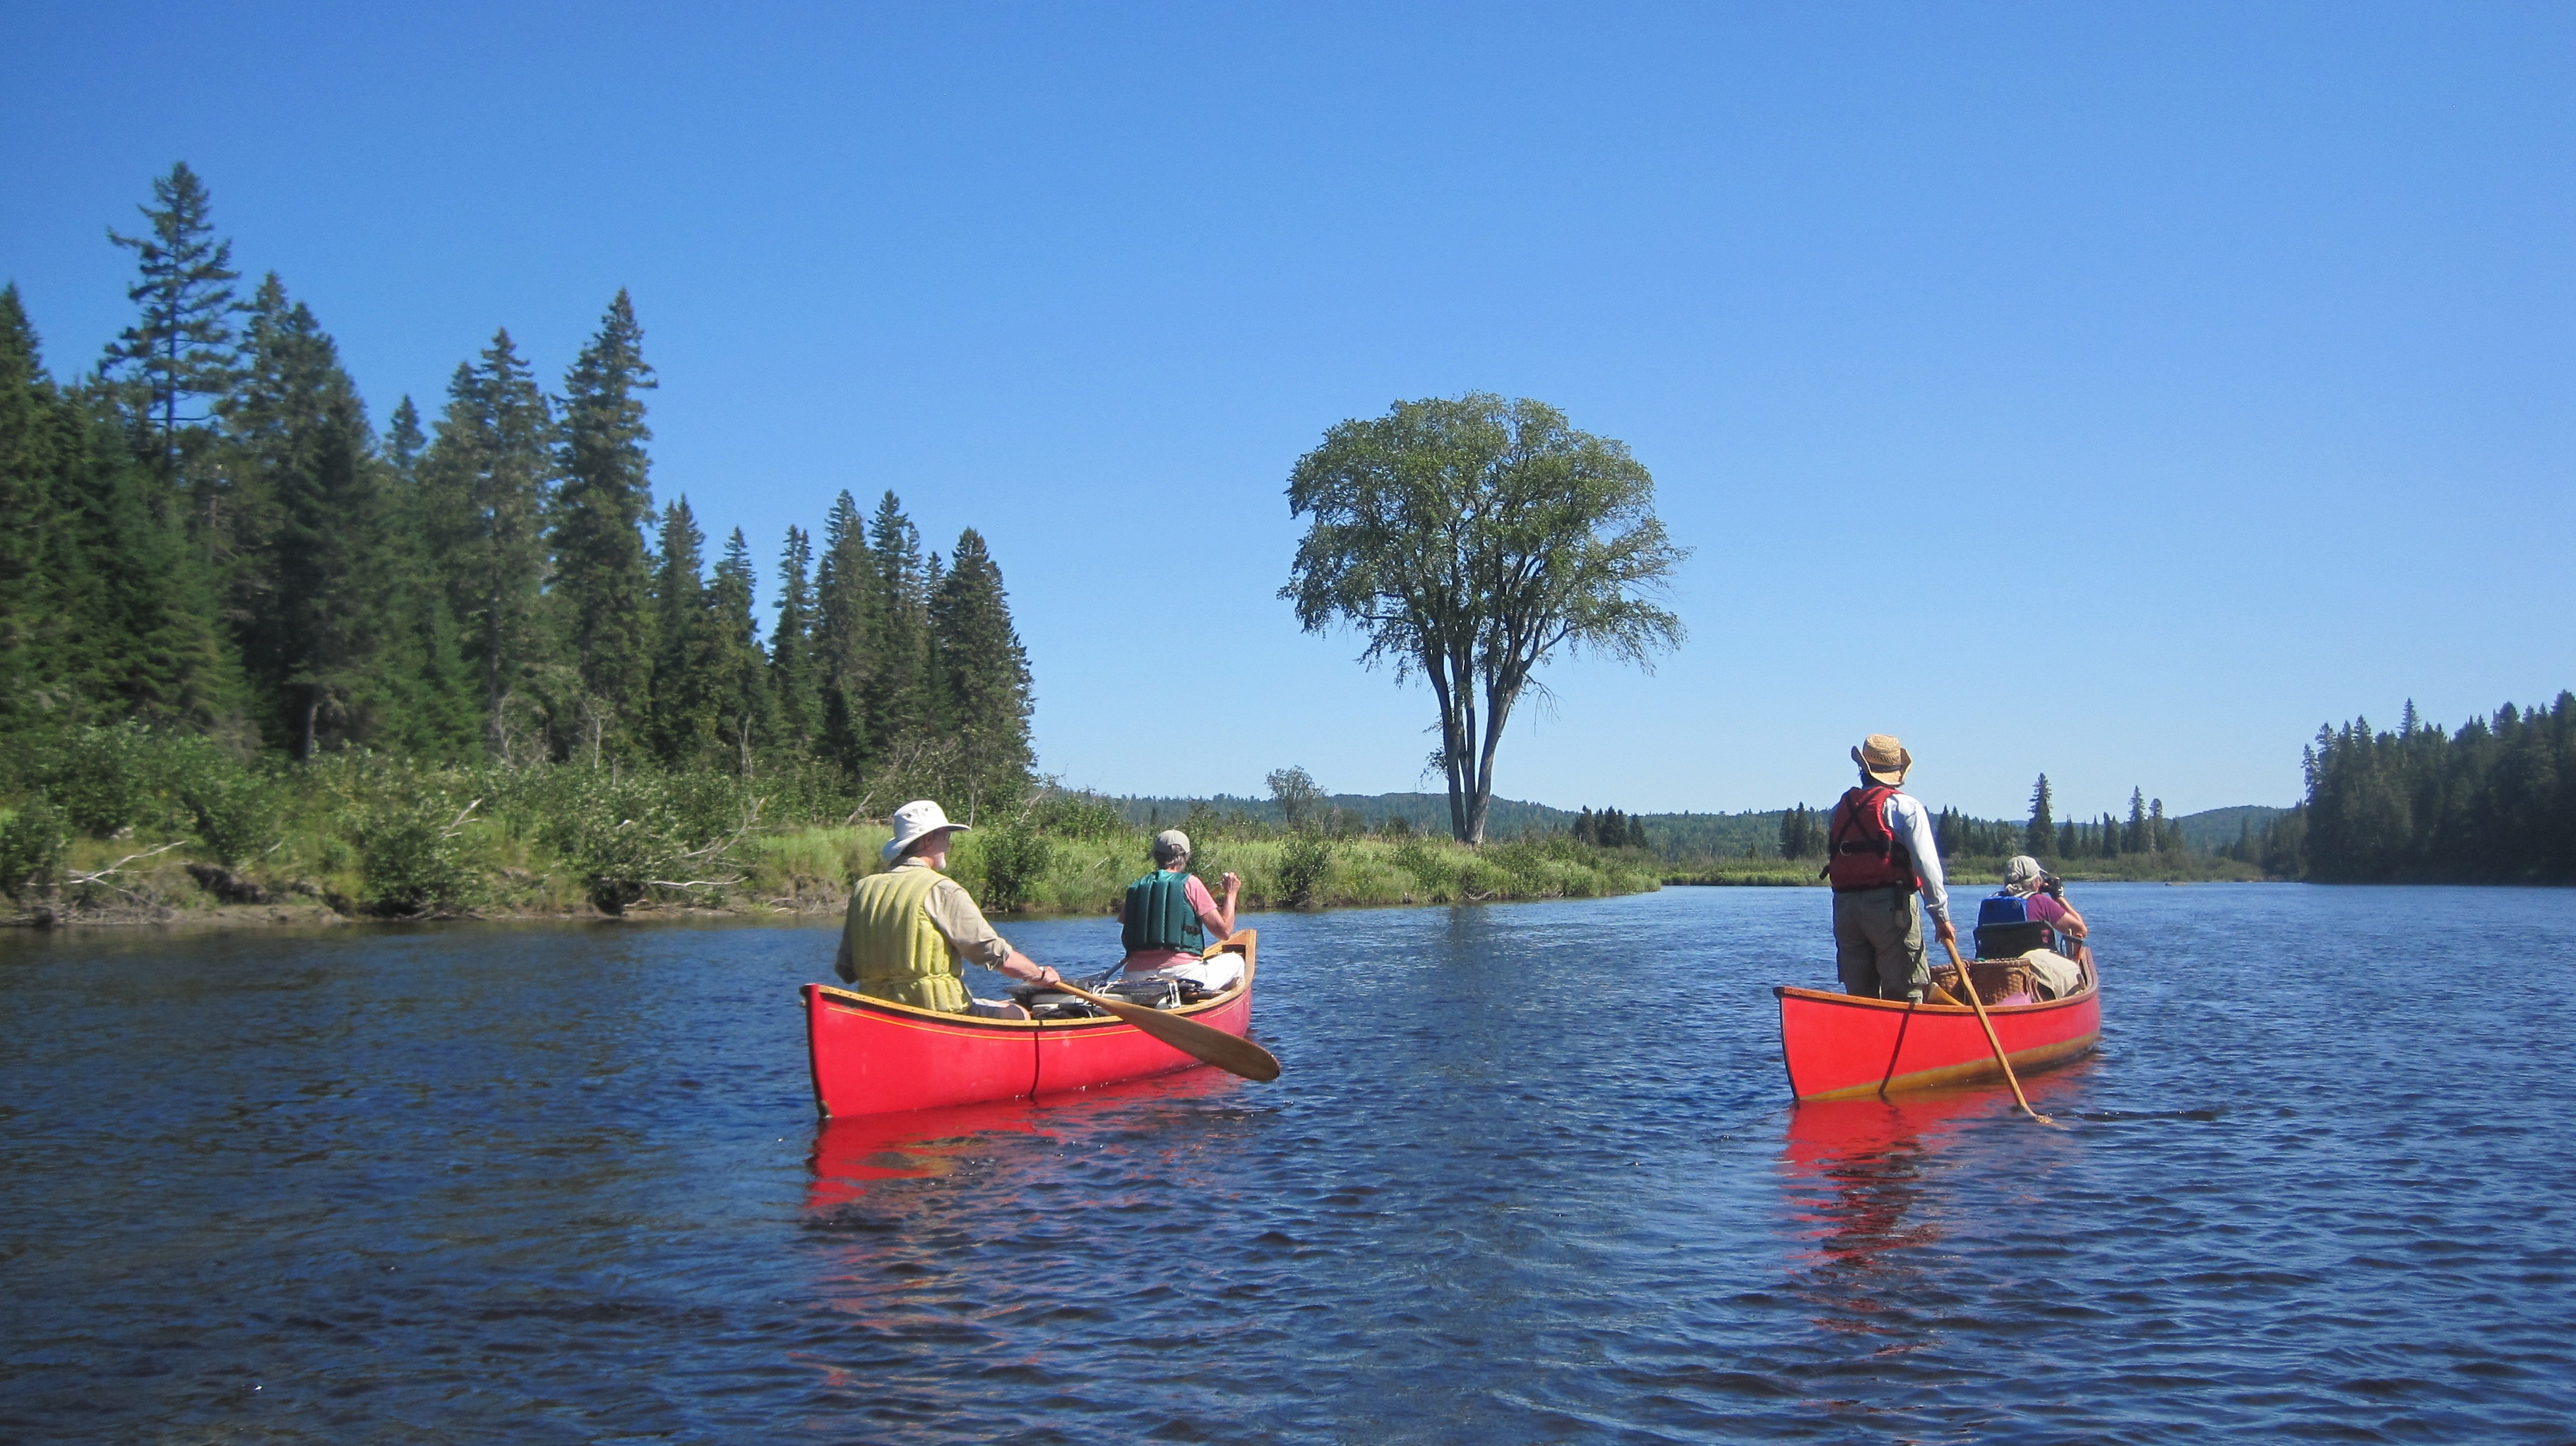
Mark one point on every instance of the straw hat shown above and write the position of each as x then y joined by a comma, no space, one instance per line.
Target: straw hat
1883,758
912,823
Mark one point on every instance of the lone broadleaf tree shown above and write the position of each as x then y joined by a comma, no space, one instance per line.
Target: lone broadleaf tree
1469,540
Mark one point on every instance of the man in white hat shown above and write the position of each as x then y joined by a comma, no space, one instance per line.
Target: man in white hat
1171,918
1879,853
910,926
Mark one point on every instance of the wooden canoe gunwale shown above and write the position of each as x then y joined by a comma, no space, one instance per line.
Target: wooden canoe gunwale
896,1013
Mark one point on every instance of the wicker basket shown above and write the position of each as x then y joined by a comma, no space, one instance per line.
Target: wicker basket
1996,979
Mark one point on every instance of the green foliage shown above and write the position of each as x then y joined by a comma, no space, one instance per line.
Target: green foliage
657,834
2494,802
237,814
1304,861
1011,862
31,850
1469,540
415,856
1076,815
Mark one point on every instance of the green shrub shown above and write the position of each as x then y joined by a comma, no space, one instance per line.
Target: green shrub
1014,861
237,814
626,837
31,850
413,855
102,778
1304,861
1076,815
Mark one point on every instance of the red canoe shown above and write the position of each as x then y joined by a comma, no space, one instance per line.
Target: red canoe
872,1056
1844,1046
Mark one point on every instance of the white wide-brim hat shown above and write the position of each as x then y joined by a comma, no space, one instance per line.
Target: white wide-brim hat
913,822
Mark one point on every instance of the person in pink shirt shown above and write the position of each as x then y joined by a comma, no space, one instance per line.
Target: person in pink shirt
2044,899
1170,919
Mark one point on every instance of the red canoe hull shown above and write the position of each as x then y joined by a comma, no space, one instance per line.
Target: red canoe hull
1843,1046
872,1057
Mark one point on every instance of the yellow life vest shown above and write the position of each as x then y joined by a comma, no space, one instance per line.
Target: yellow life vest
896,952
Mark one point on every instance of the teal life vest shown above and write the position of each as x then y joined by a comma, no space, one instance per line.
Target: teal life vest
1159,915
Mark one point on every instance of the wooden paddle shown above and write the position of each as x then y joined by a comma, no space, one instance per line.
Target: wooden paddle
1968,987
1229,1052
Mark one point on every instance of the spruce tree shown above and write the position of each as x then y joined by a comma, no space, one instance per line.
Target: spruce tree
2039,839
985,671
685,703
2133,838
844,587
745,710
793,684
605,503
177,360
306,522
487,483
896,691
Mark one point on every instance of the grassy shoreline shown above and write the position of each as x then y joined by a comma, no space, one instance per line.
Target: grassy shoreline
457,853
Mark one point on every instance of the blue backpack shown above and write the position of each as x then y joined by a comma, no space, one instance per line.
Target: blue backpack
2005,929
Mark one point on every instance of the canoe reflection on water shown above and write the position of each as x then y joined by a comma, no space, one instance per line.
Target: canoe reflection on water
1863,1182
852,1153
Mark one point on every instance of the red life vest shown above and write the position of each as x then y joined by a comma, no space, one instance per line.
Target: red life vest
1860,851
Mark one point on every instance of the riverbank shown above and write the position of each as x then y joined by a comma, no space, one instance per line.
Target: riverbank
491,870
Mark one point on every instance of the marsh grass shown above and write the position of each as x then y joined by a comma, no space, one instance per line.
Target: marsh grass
130,822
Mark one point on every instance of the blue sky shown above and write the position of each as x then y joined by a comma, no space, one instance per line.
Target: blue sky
2118,392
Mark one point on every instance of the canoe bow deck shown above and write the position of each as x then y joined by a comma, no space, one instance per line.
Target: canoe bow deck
873,1056
1846,1046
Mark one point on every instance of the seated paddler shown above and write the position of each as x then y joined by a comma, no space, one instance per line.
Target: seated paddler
911,927
2030,919
1171,918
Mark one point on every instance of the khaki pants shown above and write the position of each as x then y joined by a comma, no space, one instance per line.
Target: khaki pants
1878,944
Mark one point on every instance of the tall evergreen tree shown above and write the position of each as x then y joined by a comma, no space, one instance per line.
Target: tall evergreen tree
844,589
686,705
745,709
897,692
2039,838
986,673
606,501
792,678
177,360
307,519
489,479
2133,838
106,611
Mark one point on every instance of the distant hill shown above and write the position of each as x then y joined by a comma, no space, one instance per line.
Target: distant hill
2216,828
1675,835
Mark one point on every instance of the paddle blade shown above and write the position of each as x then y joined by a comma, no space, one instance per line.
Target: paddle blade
1229,1052
1205,1043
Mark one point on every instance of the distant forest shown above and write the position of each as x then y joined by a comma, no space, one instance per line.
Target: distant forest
208,535
2494,802
1688,838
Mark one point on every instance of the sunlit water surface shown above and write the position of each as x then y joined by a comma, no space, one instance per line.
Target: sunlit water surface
1530,1176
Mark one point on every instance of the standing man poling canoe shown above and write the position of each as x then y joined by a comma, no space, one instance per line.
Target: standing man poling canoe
910,926
1879,852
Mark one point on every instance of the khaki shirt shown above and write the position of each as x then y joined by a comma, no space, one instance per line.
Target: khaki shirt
953,913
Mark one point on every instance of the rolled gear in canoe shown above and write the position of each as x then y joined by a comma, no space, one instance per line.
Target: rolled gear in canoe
1846,1046
873,1056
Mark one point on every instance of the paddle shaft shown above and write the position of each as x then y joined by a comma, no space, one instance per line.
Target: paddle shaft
1205,1043
1968,987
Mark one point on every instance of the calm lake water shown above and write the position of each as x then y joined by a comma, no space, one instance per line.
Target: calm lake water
1530,1176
